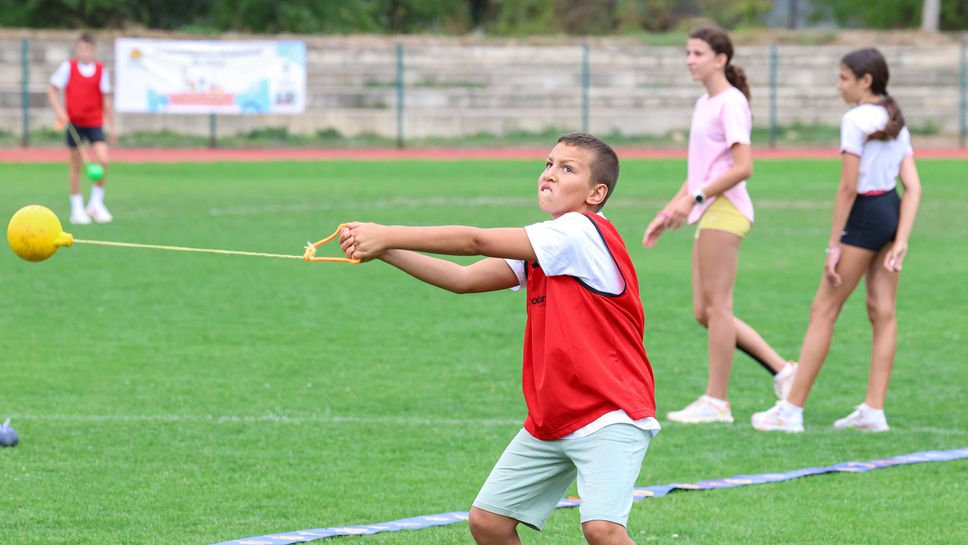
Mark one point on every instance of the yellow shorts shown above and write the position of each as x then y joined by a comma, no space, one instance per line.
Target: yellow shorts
723,215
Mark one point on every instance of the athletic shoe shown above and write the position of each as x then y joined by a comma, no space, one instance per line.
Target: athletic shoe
864,418
702,411
80,217
779,418
99,213
783,380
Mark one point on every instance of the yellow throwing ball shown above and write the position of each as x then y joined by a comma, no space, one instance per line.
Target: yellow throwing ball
35,233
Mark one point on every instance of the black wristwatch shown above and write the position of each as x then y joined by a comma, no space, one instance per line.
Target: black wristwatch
699,196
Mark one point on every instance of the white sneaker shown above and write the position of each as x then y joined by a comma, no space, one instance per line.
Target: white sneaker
702,411
783,380
80,217
864,418
99,212
778,419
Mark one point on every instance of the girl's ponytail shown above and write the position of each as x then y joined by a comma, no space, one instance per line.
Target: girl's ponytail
895,120
870,61
737,78
719,42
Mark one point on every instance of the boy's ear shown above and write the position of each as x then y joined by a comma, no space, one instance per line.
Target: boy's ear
597,194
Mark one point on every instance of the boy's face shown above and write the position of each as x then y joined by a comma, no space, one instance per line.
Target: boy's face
566,185
84,52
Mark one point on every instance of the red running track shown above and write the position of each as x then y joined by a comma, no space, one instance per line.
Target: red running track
205,155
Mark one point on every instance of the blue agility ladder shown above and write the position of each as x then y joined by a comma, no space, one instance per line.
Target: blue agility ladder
445,519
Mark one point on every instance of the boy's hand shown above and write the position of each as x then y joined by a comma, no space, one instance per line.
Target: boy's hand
364,241
346,242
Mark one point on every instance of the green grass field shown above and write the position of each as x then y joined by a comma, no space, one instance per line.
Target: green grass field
174,398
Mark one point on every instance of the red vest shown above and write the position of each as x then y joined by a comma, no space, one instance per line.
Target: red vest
85,102
583,351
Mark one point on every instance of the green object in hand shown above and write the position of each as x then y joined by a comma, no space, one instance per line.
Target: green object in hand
94,171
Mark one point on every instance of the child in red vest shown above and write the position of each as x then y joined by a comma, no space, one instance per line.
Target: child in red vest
587,380
86,87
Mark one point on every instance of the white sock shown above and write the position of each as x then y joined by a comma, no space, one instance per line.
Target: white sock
865,408
790,408
97,195
77,202
720,404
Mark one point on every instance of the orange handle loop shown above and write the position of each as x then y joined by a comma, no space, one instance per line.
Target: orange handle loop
310,253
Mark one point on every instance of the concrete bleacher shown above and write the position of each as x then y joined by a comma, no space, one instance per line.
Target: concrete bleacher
460,86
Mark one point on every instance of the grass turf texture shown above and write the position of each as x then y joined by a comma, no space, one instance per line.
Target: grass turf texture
187,399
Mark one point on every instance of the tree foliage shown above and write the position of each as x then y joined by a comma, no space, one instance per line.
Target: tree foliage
889,13
496,17
165,14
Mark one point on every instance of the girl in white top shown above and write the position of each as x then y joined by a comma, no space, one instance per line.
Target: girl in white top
868,239
714,196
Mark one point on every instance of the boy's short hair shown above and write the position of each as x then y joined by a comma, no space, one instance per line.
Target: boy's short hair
605,163
86,37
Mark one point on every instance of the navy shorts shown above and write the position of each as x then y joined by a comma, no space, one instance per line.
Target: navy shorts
872,223
91,134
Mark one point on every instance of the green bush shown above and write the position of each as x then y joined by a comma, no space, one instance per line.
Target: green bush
889,13
499,17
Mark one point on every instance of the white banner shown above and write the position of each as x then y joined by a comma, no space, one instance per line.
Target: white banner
209,77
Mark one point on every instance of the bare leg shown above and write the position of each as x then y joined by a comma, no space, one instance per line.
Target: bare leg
74,172
716,254
882,311
749,341
823,314
493,529
101,156
603,532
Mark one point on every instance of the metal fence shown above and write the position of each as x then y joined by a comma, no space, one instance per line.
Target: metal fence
452,89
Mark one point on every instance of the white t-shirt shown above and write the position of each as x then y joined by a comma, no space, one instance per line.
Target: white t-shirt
880,160
572,246
63,74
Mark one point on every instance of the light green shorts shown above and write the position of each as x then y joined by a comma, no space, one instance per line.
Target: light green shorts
532,475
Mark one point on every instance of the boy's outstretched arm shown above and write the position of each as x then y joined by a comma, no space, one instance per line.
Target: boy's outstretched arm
370,240
488,274
393,244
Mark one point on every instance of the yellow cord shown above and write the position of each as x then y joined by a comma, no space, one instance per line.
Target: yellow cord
309,253
183,249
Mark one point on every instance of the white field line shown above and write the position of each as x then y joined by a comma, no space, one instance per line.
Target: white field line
378,204
269,418
933,431
311,419
470,202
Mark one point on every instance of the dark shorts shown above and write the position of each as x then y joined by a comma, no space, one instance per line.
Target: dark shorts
872,223
91,134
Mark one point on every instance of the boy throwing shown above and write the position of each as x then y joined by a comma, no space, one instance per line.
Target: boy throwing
587,380
86,87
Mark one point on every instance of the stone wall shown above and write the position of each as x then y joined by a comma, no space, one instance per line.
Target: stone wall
457,87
